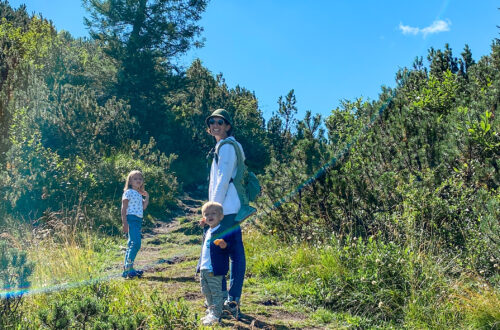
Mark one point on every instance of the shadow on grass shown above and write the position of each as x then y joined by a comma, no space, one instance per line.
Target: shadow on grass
165,279
253,323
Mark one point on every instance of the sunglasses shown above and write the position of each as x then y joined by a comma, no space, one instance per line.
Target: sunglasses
212,121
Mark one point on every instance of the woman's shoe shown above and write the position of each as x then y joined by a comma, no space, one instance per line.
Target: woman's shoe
233,308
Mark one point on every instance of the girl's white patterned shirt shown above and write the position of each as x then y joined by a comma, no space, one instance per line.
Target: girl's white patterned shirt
134,202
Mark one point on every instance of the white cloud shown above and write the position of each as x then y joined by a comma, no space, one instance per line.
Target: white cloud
435,27
406,29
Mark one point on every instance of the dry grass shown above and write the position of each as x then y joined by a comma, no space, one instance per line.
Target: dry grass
63,250
480,303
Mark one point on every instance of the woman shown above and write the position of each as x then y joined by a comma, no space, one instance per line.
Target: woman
222,190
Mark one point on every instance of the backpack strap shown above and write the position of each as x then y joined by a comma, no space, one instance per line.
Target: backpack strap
239,157
240,163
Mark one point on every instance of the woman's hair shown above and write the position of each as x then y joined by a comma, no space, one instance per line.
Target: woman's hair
210,205
129,176
230,132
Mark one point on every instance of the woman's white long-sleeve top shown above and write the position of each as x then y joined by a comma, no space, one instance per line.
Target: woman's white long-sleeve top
220,189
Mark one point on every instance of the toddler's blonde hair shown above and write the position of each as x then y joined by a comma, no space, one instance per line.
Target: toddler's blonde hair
213,205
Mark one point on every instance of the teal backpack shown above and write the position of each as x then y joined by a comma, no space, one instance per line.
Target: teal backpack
246,183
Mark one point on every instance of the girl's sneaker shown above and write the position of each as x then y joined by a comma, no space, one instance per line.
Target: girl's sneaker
132,273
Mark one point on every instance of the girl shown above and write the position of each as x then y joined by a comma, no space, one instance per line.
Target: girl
133,205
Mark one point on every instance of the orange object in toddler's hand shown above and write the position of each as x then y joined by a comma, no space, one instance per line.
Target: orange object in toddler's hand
220,243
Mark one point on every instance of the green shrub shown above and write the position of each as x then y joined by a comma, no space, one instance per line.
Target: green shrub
160,182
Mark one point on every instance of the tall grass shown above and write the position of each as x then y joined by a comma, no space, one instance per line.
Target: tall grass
380,283
70,289
64,249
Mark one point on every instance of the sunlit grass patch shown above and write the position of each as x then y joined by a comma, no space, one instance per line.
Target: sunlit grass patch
65,249
481,304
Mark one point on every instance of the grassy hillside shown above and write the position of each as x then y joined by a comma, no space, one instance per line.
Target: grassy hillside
357,283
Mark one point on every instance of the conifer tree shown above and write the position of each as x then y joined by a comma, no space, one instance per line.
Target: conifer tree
466,62
145,37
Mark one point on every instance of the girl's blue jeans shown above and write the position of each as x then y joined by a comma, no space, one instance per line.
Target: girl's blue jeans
134,240
237,259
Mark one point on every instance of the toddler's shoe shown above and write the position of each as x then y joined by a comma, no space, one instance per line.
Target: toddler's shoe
210,319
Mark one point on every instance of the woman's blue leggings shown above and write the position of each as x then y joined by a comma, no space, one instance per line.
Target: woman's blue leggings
237,258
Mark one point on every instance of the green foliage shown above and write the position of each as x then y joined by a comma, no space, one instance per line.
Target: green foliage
202,94
144,38
57,161
160,182
483,137
442,61
138,29
280,127
113,306
73,107
15,270
407,185
171,314
374,281
481,305
22,41
484,238
410,170
249,127
89,308
343,125
418,169
62,133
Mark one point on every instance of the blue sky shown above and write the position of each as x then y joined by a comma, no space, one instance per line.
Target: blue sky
325,50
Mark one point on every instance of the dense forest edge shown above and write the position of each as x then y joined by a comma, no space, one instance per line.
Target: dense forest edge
400,227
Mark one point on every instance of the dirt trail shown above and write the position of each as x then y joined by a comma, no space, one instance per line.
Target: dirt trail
168,256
